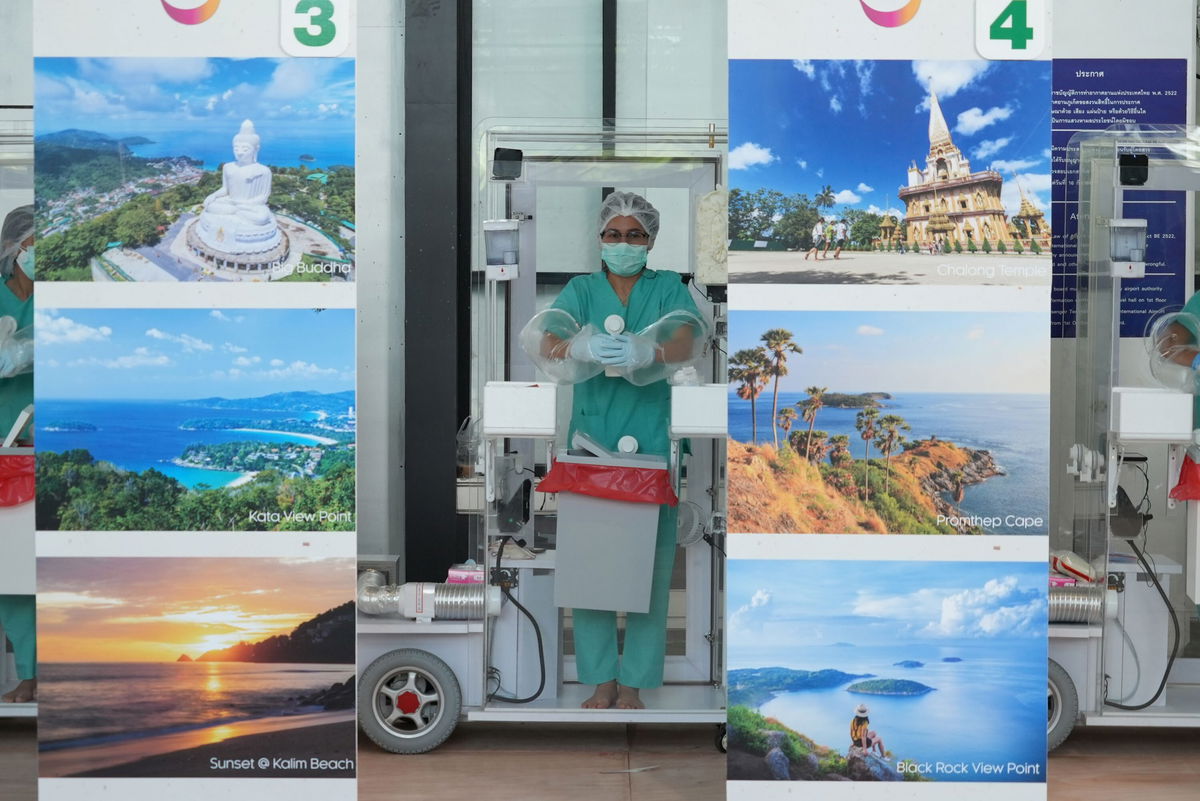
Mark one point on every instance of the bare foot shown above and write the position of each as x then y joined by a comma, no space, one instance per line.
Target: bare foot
604,696
627,698
23,693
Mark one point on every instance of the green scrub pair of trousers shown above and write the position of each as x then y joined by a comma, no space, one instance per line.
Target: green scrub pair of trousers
18,621
641,665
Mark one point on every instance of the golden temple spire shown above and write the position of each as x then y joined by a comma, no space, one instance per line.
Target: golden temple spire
939,132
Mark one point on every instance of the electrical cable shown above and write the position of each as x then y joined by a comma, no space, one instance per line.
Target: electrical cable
1137,664
536,630
1162,685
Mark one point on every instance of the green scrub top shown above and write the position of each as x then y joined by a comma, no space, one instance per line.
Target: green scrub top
607,409
15,393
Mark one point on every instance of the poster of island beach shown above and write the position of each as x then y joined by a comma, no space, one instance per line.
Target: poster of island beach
948,658
130,183
196,667
196,419
888,422
939,171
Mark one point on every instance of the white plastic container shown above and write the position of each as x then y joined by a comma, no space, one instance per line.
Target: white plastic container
519,409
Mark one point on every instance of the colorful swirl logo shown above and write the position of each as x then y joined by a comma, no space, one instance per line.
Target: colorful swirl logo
194,16
891,19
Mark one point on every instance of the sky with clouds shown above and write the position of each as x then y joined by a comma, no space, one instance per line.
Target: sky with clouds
312,98
154,609
796,126
863,351
177,354
811,603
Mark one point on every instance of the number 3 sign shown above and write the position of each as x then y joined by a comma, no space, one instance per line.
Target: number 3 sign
315,27
1011,29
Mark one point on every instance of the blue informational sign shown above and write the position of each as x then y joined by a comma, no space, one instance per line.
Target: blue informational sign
1092,95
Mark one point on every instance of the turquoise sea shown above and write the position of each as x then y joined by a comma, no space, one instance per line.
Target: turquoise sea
988,709
139,435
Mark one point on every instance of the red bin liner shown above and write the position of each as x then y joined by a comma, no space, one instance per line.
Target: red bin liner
1188,488
16,480
636,484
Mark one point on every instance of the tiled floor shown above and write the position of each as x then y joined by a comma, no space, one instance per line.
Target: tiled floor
1148,764
552,763
18,759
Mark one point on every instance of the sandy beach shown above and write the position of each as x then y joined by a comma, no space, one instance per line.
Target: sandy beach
314,437
270,747
244,478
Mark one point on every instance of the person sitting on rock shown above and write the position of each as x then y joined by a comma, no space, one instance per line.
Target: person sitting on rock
861,735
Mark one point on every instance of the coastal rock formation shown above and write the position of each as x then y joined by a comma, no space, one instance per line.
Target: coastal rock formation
864,767
755,686
337,696
906,493
184,658
328,637
908,663
889,687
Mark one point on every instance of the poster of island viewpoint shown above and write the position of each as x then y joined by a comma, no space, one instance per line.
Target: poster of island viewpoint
887,671
196,420
195,169
196,667
888,422
906,172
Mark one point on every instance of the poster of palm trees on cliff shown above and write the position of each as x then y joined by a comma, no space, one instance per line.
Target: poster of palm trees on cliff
196,420
888,422
887,671
889,172
196,667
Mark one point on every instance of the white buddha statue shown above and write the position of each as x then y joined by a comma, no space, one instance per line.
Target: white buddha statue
236,219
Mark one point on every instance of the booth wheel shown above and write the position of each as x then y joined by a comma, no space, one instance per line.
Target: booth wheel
1062,705
722,738
409,701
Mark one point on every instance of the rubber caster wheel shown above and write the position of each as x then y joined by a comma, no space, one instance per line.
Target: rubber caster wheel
1062,705
722,738
409,701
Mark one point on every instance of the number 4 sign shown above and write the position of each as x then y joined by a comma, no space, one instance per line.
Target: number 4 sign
315,27
1011,29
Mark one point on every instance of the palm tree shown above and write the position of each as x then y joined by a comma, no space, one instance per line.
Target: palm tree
825,199
785,419
750,366
809,409
888,439
779,344
839,450
864,422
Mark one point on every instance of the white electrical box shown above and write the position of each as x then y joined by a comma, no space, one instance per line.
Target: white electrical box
520,409
699,411
1144,413
1127,248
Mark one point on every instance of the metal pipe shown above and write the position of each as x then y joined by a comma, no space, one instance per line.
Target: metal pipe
426,601
1083,603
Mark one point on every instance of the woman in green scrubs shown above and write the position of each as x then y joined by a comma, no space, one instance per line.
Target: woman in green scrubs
16,301
608,408
16,392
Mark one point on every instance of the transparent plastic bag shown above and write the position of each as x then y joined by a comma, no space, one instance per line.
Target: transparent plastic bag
547,339
16,348
1171,347
680,338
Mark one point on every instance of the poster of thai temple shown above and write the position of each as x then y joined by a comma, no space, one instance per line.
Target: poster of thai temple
890,172
195,169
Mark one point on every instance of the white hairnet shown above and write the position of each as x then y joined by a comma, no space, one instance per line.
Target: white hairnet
628,204
18,226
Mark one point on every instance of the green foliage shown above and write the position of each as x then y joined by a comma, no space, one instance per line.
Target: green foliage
1034,247
1017,247
971,248
1000,246
747,731
957,246
76,492
987,246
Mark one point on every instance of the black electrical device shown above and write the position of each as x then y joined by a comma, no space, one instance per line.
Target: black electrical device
1133,169
507,164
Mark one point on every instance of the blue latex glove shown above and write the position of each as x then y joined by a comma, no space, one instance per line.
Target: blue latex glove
632,352
593,347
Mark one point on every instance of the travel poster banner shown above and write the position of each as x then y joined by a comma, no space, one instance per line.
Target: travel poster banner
889,373
196,430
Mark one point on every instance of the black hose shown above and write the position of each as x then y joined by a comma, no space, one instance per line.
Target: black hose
536,630
1162,685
